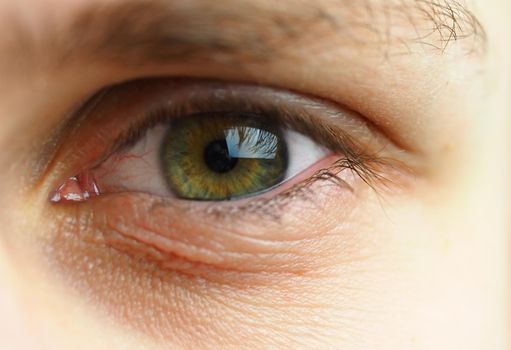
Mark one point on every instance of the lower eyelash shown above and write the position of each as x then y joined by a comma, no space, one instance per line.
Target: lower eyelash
273,207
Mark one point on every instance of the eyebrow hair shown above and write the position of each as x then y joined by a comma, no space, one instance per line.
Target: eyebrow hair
452,21
137,32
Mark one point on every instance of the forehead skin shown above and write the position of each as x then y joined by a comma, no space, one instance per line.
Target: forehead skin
26,58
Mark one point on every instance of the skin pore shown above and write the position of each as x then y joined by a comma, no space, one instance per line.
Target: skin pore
410,251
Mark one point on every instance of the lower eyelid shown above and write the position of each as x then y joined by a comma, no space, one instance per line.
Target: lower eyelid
174,235
294,179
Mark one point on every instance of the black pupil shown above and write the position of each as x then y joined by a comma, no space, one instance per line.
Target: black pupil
217,157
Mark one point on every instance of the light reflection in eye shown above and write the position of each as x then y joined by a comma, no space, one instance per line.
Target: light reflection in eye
251,143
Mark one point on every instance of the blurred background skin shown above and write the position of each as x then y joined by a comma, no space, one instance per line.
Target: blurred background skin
438,279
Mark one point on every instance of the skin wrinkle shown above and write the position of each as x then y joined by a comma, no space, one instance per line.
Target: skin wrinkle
244,297
216,253
135,32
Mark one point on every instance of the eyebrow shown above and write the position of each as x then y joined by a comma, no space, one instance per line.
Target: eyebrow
140,32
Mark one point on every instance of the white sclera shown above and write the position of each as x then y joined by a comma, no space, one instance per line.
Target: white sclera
138,168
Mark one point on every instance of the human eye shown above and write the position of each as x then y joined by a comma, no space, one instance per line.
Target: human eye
212,141
171,193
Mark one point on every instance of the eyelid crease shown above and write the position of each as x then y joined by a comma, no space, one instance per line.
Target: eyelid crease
295,119
320,120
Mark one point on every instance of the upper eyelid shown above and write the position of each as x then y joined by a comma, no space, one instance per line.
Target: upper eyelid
338,128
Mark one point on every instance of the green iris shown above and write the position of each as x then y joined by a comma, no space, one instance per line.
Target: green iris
222,156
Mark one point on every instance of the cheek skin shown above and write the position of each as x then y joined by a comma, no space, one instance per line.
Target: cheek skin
288,281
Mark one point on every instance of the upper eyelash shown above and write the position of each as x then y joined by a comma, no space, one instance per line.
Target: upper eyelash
280,115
